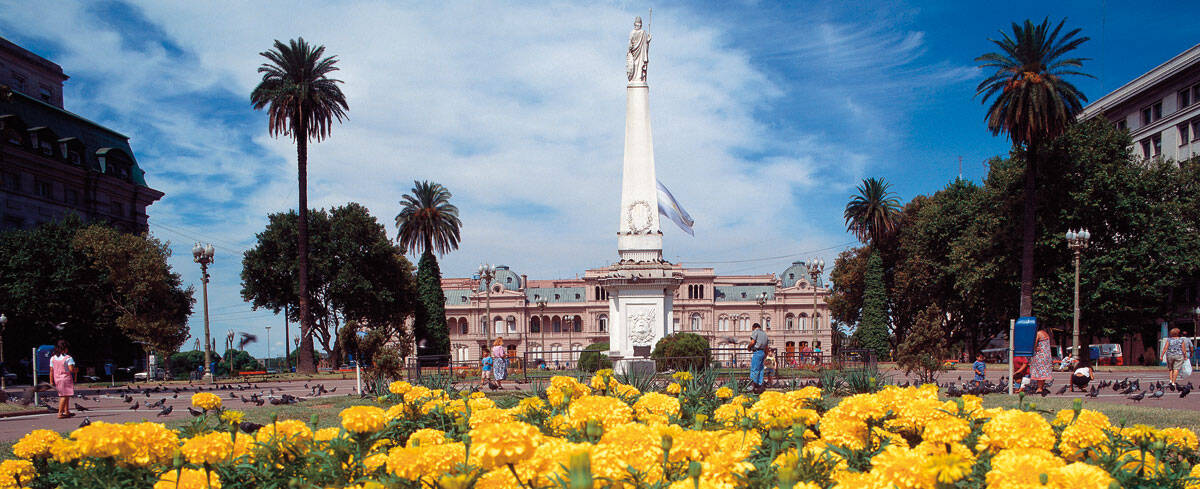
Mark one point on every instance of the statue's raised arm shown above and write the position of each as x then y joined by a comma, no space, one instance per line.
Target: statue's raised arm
637,58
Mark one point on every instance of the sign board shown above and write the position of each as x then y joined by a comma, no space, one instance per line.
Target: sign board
1025,336
44,353
108,369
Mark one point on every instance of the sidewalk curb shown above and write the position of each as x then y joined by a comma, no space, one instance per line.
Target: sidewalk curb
24,413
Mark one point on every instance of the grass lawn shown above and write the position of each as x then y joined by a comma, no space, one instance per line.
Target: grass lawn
1117,413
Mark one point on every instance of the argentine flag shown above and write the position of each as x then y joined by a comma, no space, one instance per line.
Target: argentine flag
669,207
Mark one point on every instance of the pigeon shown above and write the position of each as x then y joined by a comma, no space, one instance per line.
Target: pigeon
1183,392
249,427
1062,389
259,402
1157,394
166,411
1138,397
80,408
1094,392
194,412
85,422
135,406
128,399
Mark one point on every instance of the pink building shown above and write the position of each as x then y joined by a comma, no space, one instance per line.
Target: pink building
557,316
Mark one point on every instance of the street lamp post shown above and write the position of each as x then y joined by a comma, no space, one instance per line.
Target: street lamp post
268,347
1195,328
3,381
229,349
541,305
762,304
486,274
1077,241
204,256
816,267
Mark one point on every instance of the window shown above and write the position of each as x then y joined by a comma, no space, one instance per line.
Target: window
1121,124
512,324
1145,148
71,196
1185,97
743,295
1196,130
19,81
45,94
508,280
12,181
43,189
1156,144
1152,113
695,321
603,322
576,296
789,322
578,324
1184,133
535,324
557,297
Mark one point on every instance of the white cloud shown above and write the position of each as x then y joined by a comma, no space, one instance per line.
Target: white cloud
512,107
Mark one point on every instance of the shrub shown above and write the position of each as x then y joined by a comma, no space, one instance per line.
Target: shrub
681,351
593,357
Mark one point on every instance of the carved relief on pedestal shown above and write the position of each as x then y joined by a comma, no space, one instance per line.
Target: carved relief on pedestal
641,325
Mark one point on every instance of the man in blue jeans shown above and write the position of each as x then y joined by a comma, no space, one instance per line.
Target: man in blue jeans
758,344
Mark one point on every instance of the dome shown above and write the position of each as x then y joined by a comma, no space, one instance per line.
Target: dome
505,278
796,272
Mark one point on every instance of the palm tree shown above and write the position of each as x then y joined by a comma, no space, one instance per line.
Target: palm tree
1034,103
301,102
428,222
872,215
874,212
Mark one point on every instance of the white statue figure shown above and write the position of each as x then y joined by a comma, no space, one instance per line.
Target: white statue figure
638,56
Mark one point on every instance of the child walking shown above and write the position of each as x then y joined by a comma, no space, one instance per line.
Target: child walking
485,367
62,373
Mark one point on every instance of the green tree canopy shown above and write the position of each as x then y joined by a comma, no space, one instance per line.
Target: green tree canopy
356,273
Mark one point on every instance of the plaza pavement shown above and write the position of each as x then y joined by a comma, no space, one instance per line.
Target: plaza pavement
107,404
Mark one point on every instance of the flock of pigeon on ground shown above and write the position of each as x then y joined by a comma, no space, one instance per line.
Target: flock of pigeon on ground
130,396
1131,389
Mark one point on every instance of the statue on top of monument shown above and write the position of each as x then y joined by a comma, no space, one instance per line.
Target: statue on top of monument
637,58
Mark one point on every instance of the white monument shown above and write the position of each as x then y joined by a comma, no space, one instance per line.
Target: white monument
641,284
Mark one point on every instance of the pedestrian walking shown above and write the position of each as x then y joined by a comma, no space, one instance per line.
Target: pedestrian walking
1039,365
980,368
758,345
1175,353
485,368
499,362
62,374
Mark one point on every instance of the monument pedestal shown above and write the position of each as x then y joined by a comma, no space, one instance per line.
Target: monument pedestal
639,308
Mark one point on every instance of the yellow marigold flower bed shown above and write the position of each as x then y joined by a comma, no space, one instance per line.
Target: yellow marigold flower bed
206,401
606,434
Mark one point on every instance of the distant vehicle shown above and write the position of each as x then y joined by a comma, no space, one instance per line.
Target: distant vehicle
90,378
141,376
1106,354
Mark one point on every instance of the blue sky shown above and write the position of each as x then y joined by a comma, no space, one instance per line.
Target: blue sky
765,115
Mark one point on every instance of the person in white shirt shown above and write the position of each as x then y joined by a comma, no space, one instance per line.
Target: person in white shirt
1082,377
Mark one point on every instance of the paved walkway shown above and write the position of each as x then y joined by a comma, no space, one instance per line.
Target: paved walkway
107,404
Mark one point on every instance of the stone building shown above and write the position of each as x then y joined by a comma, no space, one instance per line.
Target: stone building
1160,109
550,318
54,162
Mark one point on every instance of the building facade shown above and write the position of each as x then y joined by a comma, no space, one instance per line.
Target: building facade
53,162
1160,109
550,319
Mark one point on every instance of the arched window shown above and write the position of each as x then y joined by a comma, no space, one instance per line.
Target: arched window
578,322
789,322
695,321
803,321
498,325
603,322
766,322
535,324
723,323
463,327
555,325
511,323
817,322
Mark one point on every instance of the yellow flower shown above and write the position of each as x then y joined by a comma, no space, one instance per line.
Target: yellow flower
64,451
497,445
609,411
948,468
1181,438
490,416
426,437
1079,475
211,448
1021,467
232,417
682,376
656,403
328,434
416,393
363,419
904,468
724,393
16,473
206,401
674,389
412,463
399,387
1017,429
1141,463
36,444
288,436
151,445
1195,476
946,430
101,440
530,405
188,479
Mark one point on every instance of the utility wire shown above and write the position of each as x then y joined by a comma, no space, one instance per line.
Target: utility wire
768,258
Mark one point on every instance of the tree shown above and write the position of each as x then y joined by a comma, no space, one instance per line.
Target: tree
1034,104
428,222
873,215
925,350
301,102
151,307
356,274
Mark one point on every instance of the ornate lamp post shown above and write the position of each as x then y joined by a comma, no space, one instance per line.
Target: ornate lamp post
268,350
204,255
487,273
816,267
1077,241
762,304
3,381
229,350
541,305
